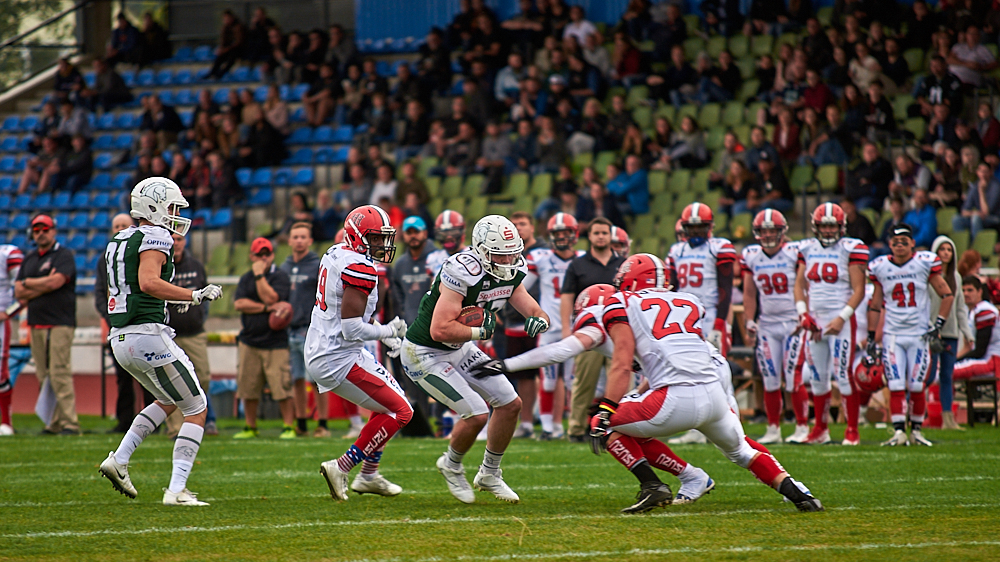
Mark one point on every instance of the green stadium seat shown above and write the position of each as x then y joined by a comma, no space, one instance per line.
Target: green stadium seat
747,66
526,204
872,215
709,115
749,89
944,216
825,15
581,161
826,175
636,95
739,226
761,45
715,45
732,114
699,181
687,110
915,125
649,246
477,207
218,261
984,244
426,164
435,206
517,185
742,133
900,104
643,227
711,198
603,159
693,46
433,184
452,187
739,46
800,178
680,181
456,204
643,116
714,137
541,186
668,111
657,181
961,239
473,186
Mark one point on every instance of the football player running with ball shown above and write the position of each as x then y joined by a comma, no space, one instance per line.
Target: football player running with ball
662,328
336,357
907,335
769,276
439,352
140,268
831,271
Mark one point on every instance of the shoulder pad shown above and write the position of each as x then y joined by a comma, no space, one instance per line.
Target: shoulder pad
155,238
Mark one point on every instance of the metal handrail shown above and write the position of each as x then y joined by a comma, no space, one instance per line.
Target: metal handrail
45,23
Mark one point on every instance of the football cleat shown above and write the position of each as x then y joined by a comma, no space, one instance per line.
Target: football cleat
650,496
898,438
691,437
335,479
185,497
524,433
247,433
6,430
800,435
457,484
771,436
321,432
812,504
917,438
118,475
694,487
851,437
818,437
375,485
545,436
494,484
288,432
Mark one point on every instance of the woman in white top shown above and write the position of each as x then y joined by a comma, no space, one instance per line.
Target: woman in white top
385,185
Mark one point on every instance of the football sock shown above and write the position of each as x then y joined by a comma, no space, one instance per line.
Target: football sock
302,424
757,446
491,461
374,435
5,398
545,401
454,460
765,468
851,410
772,406
626,450
350,459
788,489
644,473
322,423
821,403
185,451
369,466
527,425
800,404
897,398
918,403
144,423
661,456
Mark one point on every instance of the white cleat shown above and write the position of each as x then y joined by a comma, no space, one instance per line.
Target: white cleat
771,436
897,439
800,435
185,497
917,438
691,437
694,487
816,437
118,475
494,484
335,479
375,485
457,484
6,430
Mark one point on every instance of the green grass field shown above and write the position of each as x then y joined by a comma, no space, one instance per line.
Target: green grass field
270,503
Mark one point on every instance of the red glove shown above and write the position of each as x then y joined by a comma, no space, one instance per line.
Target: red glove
808,323
720,325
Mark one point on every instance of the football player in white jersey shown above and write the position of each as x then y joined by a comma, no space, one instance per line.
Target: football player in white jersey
907,333
769,277
662,328
829,286
336,358
620,242
548,268
984,357
449,232
439,351
10,264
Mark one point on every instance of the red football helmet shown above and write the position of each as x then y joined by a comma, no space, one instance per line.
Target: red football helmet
769,228
564,230
829,223
696,222
870,375
367,231
620,242
449,230
592,295
339,236
642,271
679,231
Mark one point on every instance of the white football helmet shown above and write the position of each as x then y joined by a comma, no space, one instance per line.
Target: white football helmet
495,236
159,201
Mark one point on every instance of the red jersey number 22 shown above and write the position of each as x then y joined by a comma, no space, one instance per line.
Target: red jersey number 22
661,328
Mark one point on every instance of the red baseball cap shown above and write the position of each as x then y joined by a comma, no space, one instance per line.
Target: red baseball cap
260,244
43,219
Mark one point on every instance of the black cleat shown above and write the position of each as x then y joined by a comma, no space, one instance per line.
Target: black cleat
650,496
811,504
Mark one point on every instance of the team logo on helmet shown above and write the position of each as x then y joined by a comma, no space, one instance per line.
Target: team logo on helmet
156,191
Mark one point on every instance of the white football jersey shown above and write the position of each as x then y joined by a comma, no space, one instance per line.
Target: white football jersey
437,258
983,316
340,267
774,277
904,289
668,335
827,276
697,269
548,269
10,260
592,317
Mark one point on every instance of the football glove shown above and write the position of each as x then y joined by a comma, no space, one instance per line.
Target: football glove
717,333
489,324
488,369
393,346
872,349
751,327
934,341
207,293
398,327
600,425
535,325
808,323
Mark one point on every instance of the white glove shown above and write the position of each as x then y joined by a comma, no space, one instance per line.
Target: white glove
398,328
715,338
394,345
751,332
208,293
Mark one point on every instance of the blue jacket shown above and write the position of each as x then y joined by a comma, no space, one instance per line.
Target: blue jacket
924,224
633,188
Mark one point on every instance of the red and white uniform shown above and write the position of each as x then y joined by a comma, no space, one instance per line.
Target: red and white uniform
10,262
907,317
982,316
547,269
697,270
374,346
829,289
781,351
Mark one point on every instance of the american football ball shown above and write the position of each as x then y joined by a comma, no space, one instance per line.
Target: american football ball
471,316
281,315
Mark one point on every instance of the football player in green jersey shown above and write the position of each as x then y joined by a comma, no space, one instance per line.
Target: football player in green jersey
140,268
439,354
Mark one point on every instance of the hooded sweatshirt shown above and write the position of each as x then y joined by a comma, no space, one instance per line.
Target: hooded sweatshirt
958,318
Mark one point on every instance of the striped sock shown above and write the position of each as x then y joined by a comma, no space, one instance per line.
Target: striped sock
369,467
353,457
185,451
145,423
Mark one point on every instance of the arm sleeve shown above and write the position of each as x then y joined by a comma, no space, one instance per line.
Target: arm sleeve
614,312
550,354
983,336
355,329
725,273
101,288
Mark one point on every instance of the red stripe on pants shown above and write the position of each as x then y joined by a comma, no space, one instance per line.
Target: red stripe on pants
380,427
631,412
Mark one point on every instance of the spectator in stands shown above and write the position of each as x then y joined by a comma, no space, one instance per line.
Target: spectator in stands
525,28
263,351
770,190
981,208
353,193
923,218
487,43
947,177
736,188
326,219
222,178
126,42
816,95
524,151
203,135
416,128
988,128
880,117
47,281
232,45
496,151
299,211
597,201
969,60
921,25
868,183
263,144
630,188
73,169
819,145
434,63
550,148
162,120
276,111
249,109
461,152
507,86
287,57
349,110
48,123
410,183
897,210
578,27
908,177
340,52
408,88
677,81
818,49
732,151
158,167
378,117
321,98
258,46
864,68
858,225
178,168
556,201
894,66
786,137
584,80
759,144
109,89
195,177
670,33
155,41
207,105
39,169
385,184
940,86
766,17
73,121
940,128
143,170
965,134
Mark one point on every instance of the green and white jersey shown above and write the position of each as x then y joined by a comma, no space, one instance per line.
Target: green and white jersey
127,304
464,274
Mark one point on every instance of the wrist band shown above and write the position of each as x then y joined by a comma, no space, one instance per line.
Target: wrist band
846,313
477,333
940,321
800,307
871,335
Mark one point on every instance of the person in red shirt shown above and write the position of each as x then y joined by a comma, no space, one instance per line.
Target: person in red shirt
817,94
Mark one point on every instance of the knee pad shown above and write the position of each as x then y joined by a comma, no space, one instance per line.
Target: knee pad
194,405
742,455
404,416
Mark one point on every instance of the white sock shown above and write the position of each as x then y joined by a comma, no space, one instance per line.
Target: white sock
546,422
687,473
356,421
527,425
145,423
491,461
454,460
185,450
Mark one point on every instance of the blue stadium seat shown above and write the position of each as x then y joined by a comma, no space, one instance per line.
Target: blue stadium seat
240,74
20,221
43,201
304,177
10,124
9,144
297,92
24,143
90,77
101,181
128,121
187,117
257,74
81,260
284,91
164,77
7,164
62,219
103,142
146,78
221,218
62,239
261,197
324,155
81,201
129,77
99,241
78,220
20,240
101,221
221,95
302,135
92,260
23,203
323,134
302,155
361,129
202,217
61,200
167,97
183,77
106,122
260,93
102,161
382,68
298,115
283,177
5,202
6,185
21,163
125,141
28,123
101,200
78,243
4,221
203,53
340,155
183,54
184,97
343,135
120,181
261,177
243,176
